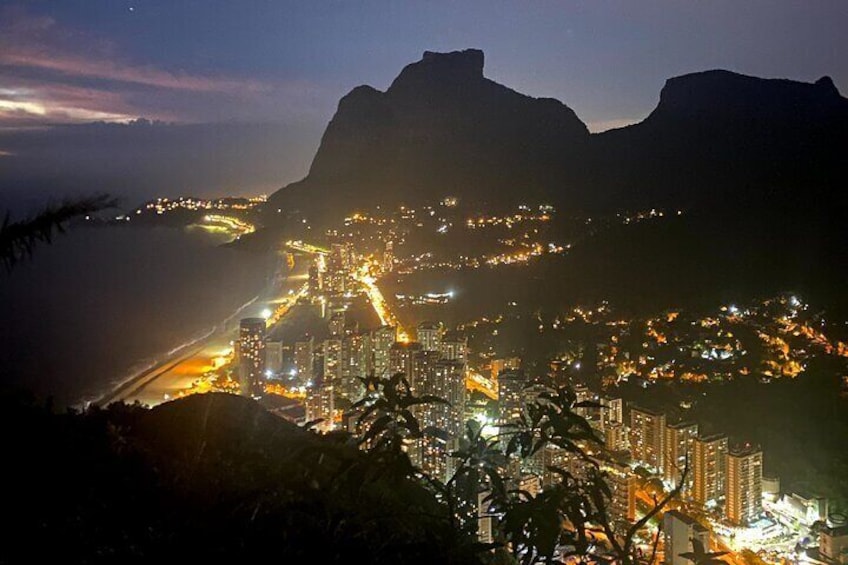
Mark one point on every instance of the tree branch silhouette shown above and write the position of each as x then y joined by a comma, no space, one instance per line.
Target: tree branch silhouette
19,238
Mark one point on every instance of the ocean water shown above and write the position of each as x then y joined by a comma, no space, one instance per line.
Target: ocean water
98,304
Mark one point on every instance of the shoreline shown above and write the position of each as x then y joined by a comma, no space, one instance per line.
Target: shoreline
172,358
173,366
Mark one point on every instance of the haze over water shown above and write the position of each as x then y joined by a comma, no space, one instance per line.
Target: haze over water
100,303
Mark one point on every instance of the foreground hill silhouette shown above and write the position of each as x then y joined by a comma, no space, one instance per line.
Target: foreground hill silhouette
208,477
443,128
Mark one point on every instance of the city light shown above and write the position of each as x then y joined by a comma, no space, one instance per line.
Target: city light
670,346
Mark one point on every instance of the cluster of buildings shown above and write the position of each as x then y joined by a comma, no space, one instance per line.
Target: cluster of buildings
773,338
331,369
713,477
705,468
710,472
434,364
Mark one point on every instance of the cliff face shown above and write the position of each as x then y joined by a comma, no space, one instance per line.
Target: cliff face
724,97
443,128
720,137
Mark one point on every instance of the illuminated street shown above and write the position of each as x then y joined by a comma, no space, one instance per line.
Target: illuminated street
378,301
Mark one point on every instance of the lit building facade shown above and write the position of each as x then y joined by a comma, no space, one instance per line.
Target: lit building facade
356,363
678,447
429,336
316,279
616,437
744,488
332,360
612,411
382,340
622,503
304,359
554,457
647,435
400,359
337,323
320,405
708,468
511,385
583,394
454,347
251,356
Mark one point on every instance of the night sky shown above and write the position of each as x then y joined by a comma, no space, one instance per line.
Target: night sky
248,87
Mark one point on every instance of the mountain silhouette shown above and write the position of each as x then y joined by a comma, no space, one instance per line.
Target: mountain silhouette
716,138
441,128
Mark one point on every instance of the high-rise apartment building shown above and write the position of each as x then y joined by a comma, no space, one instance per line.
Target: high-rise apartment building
616,437
382,340
511,385
678,447
619,477
743,501
429,336
622,484
431,375
304,359
320,405
400,359
332,360
337,323
583,394
708,468
454,346
612,411
356,363
251,356
423,376
647,435
316,278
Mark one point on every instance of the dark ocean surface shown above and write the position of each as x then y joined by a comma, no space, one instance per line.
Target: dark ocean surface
101,303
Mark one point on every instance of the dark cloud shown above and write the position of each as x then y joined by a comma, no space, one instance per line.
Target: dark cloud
55,74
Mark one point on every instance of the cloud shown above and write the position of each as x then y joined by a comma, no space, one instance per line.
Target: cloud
31,102
77,66
141,159
52,74
40,42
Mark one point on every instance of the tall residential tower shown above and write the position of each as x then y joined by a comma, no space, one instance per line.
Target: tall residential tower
251,356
